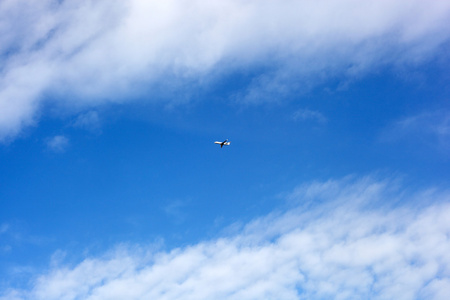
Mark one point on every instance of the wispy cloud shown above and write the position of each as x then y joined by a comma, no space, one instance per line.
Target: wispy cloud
4,228
176,211
112,51
58,143
430,128
4,247
345,239
309,115
89,121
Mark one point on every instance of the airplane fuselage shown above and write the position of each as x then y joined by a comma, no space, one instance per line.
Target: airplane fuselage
226,143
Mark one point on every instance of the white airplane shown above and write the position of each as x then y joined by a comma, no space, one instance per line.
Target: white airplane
226,143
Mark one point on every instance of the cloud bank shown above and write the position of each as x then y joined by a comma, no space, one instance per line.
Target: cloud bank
345,239
77,54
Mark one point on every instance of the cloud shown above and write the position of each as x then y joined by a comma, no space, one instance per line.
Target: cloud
309,115
429,128
176,211
4,228
89,121
4,247
58,143
344,239
82,54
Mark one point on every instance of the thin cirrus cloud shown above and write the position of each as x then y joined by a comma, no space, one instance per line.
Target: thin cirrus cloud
309,115
90,121
83,54
343,239
58,143
429,129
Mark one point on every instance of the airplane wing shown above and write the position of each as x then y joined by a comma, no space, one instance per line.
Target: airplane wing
222,143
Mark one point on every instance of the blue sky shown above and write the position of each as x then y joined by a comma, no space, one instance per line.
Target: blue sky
335,184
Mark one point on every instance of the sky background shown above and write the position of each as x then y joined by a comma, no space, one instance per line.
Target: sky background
335,185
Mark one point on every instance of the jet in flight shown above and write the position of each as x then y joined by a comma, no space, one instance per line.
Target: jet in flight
226,143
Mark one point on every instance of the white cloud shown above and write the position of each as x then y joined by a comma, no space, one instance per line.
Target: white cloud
85,53
347,239
58,143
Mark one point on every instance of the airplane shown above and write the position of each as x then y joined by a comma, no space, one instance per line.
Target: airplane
226,143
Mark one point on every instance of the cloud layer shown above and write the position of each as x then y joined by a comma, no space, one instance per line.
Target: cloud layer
79,54
346,239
